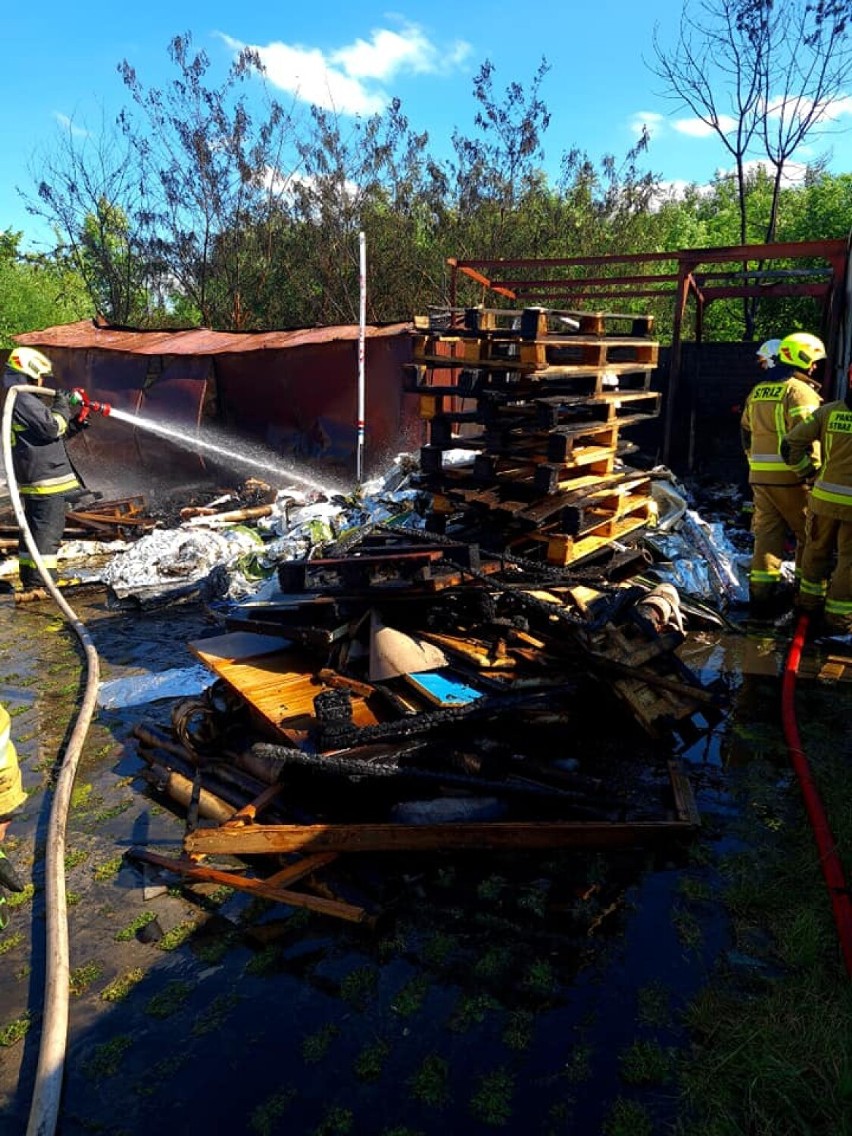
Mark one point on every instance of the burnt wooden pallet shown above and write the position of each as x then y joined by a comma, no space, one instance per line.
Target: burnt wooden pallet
530,322
538,414
587,511
536,355
564,549
528,382
278,685
376,571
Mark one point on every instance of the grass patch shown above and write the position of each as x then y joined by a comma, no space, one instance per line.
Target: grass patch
494,964
539,978
9,942
13,1031
169,1000
111,811
106,1059
129,932
80,795
108,870
518,1031
438,949
430,1084
646,1063
19,898
411,997
177,936
264,962
472,1010
627,1118
316,1045
492,1101
72,859
578,1067
770,1042
370,1062
215,1015
338,1121
654,1004
359,986
213,948
82,977
264,1119
120,987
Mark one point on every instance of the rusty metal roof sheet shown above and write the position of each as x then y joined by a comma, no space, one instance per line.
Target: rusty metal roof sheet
86,334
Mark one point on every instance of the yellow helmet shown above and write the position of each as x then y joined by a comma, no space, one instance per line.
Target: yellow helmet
801,350
27,361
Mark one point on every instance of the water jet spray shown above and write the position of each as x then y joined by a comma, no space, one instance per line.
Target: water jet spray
191,440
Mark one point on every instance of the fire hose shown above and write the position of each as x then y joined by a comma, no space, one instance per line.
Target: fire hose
44,1109
832,869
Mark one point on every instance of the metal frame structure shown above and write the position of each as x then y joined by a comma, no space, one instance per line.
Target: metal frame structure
586,281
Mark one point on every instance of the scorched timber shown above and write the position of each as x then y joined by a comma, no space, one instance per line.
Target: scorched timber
271,838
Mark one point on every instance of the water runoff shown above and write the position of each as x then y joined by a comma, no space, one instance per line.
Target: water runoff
264,459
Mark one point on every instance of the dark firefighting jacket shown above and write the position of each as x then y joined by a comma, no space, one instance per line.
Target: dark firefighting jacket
831,426
39,457
772,409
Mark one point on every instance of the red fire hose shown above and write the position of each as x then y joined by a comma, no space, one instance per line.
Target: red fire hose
832,869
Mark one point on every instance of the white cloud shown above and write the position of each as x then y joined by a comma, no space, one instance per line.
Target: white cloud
697,128
348,79
793,173
648,120
68,124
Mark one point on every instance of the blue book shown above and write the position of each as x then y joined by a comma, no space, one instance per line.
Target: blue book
441,688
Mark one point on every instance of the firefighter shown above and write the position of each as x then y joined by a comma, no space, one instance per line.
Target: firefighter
786,394
42,468
12,795
825,590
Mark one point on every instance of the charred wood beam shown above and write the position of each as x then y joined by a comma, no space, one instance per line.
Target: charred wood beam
260,839
345,767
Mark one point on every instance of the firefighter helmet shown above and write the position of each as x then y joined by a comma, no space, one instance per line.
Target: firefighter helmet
801,350
31,363
767,353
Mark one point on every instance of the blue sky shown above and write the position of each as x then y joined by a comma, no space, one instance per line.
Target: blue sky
60,61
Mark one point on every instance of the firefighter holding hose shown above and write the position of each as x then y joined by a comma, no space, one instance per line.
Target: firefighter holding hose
40,461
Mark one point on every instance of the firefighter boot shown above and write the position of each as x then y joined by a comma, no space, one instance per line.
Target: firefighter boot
9,878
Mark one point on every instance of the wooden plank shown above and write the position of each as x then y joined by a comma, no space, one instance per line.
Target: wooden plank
263,889
280,686
262,839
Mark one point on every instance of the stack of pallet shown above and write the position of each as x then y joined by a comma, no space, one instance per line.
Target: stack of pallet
542,398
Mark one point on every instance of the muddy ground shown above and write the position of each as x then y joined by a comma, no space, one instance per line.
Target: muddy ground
503,992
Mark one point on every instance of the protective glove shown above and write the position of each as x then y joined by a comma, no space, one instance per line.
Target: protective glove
61,405
78,423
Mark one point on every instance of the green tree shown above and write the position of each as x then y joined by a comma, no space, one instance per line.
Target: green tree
36,292
763,76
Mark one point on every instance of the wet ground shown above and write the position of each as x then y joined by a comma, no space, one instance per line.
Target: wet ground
523,993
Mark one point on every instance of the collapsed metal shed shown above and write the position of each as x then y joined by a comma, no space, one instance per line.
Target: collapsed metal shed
294,392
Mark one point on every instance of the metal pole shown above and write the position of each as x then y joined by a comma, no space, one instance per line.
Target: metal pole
362,331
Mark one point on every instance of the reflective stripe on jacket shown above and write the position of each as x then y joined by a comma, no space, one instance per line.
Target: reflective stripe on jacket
831,426
39,457
772,409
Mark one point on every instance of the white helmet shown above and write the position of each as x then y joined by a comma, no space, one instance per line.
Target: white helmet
30,363
768,352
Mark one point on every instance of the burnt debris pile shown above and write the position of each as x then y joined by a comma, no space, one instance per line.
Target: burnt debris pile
481,664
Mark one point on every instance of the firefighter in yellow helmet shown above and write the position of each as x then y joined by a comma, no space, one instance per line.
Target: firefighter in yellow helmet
43,470
825,588
787,394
